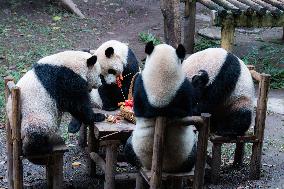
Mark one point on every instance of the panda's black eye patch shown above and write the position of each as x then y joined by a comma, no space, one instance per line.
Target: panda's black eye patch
112,71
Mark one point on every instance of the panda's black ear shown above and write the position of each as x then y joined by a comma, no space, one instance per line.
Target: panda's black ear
149,47
109,52
180,51
91,61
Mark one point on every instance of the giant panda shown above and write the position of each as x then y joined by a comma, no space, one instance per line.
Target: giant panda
163,90
228,95
115,58
57,83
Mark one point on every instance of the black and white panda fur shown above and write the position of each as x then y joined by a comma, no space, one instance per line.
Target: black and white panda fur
229,93
115,58
57,83
163,90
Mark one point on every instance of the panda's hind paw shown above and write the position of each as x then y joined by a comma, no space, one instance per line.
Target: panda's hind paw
99,117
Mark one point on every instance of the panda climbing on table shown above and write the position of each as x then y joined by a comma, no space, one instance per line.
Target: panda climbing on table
229,94
163,90
57,83
116,59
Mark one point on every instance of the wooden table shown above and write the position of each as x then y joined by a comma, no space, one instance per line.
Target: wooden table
109,135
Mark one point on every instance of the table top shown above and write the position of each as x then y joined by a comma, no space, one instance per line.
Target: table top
108,127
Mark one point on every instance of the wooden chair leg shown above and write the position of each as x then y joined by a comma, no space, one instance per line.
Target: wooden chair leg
54,171
255,163
227,35
239,154
111,157
174,183
216,162
82,141
140,183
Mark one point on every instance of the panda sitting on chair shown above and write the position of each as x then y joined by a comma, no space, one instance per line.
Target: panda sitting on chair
116,59
57,83
228,96
163,90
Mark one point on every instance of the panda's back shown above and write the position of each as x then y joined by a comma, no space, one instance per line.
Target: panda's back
228,75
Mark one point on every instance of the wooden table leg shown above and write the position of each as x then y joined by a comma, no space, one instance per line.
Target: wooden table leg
93,146
111,154
54,171
216,162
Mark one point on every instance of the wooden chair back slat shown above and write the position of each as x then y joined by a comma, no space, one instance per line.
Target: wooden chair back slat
202,124
9,142
261,106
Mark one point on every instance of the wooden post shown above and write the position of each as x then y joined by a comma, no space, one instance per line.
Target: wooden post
189,25
172,25
111,154
92,147
216,162
9,141
239,154
16,137
158,149
227,34
201,152
255,163
54,171
82,141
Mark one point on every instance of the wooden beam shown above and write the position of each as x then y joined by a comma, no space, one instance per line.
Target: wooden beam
242,20
247,9
274,11
259,9
158,149
227,5
172,25
213,6
93,146
275,3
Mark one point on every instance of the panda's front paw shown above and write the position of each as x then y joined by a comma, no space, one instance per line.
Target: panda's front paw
99,117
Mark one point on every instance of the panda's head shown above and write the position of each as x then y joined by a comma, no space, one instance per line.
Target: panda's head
82,63
112,56
164,54
162,74
93,73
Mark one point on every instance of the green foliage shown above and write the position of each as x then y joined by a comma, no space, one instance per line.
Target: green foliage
147,37
270,60
204,43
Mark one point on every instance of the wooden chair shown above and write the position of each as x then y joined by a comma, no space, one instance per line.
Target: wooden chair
155,176
53,161
256,138
231,14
